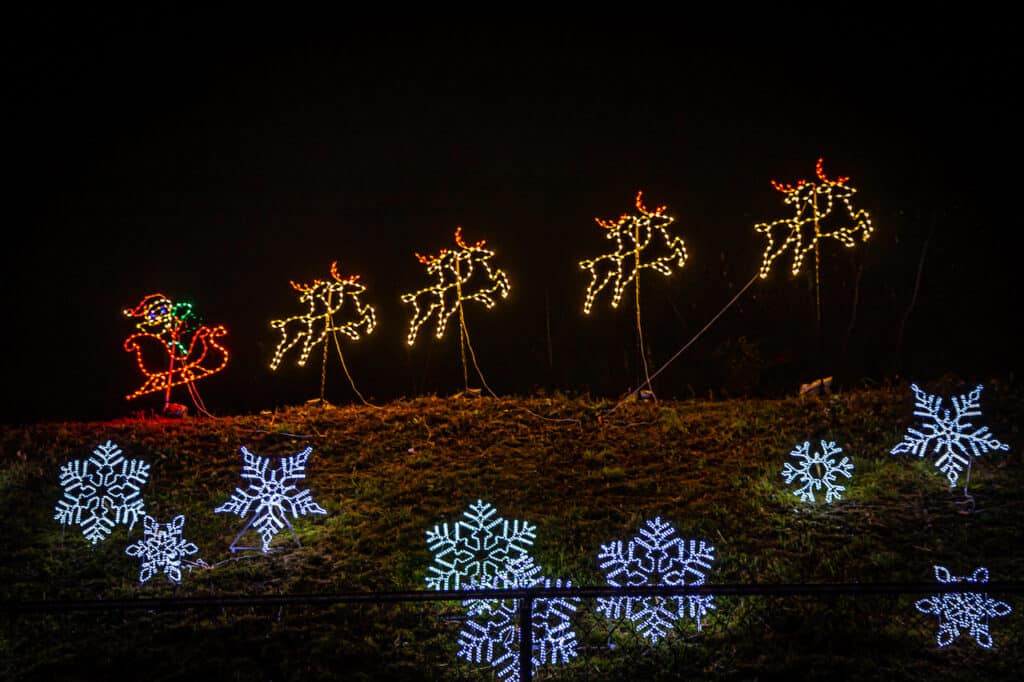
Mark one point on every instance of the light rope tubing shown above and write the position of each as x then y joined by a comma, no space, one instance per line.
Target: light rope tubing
688,343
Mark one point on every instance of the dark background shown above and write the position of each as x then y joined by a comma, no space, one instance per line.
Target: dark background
215,157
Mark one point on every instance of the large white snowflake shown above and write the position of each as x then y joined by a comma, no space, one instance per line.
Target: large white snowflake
656,557
480,546
492,634
968,610
271,496
951,435
817,470
102,491
162,547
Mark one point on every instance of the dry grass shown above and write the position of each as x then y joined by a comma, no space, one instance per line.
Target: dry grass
387,474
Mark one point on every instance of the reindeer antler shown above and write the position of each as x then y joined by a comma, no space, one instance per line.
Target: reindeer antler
428,259
819,170
640,206
351,279
610,224
458,240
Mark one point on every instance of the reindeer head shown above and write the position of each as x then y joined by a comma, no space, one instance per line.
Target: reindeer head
326,290
450,258
804,190
647,220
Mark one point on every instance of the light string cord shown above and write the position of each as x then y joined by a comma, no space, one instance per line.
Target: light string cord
968,498
323,363
464,334
464,330
344,367
688,343
197,400
639,327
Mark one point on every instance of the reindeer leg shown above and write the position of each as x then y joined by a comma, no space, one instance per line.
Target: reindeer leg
596,287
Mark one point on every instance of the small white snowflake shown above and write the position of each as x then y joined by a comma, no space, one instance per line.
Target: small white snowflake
271,496
478,547
656,557
162,547
491,633
948,433
101,492
817,470
963,611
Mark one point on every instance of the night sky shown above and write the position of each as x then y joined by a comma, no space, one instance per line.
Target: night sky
214,159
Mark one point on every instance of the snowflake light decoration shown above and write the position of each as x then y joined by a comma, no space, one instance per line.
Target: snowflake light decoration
491,633
963,611
162,547
102,491
633,236
812,202
271,496
949,436
817,470
463,274
656,557
480,546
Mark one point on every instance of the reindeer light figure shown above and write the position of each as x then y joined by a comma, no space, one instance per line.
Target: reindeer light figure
813,203
454,269
173,330
633,235
463,274
324,299
636,237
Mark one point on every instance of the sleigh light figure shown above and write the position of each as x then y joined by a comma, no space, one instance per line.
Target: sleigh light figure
170,334
463,274
813,203
636,238
333,307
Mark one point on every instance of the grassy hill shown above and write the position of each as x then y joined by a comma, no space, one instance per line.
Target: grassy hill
585,474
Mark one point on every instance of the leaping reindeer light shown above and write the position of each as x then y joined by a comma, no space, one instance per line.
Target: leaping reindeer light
812,202
324,300
641,241
463,274
174,331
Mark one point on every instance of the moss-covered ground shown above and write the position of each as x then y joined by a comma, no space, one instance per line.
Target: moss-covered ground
583,473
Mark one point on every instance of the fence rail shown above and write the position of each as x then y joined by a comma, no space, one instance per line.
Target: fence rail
525,596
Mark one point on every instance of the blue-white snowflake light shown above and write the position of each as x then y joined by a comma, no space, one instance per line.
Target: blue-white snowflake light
656,557
817,470
271,496
479,546
491,632
162,547
963,611
102,492
948,435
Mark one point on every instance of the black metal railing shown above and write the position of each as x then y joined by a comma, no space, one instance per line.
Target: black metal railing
526,597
